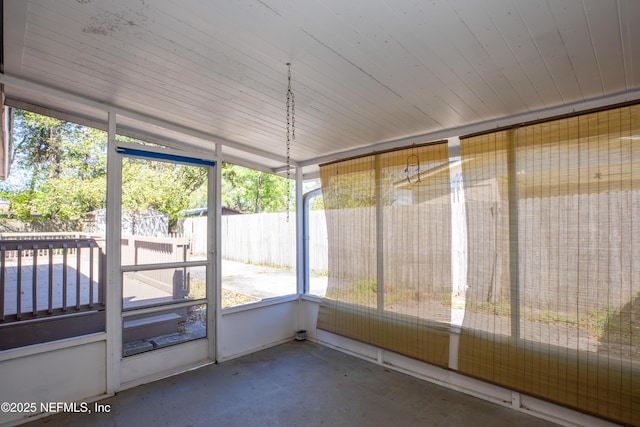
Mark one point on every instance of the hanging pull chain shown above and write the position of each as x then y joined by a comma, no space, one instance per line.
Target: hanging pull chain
291,134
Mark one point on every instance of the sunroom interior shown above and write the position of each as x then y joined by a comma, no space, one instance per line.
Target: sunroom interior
479,166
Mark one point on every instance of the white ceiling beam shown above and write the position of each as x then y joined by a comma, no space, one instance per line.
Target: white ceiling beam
245,163
67,116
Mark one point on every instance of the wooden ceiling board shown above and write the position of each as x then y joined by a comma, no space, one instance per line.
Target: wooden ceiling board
607,45
394,70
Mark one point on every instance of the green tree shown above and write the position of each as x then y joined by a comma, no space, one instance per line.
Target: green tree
69,198
350,190
62,167
167,187
52,148
65,168
360,189
253,191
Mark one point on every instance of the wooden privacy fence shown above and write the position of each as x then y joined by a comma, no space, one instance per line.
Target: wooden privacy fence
268,239
139,250
417,248
575,250
261,239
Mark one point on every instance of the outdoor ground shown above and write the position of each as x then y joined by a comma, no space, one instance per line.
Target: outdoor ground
243,283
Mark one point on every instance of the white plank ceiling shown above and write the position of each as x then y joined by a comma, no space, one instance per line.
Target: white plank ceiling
363,73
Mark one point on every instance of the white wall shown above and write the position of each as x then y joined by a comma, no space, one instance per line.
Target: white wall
68,371
150,366
243,331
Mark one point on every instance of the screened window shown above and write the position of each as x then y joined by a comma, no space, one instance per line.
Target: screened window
52,248
529,243
258,236
552,307
389,236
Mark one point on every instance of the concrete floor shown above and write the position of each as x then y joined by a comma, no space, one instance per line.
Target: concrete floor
294,384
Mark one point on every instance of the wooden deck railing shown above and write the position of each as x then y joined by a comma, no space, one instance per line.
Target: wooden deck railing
53,285
46,277
45,236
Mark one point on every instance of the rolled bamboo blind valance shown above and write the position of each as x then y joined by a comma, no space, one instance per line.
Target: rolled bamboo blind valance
553,222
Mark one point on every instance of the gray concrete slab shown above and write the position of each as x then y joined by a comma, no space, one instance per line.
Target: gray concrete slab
294,384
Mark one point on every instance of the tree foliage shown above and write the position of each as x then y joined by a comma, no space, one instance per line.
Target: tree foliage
167,187
253,191
355,190
360,189
52,149
63,168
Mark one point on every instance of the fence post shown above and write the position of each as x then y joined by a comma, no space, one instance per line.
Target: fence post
78,275
64,277
50,309
102,277
180,287
34,282
19,284
3,266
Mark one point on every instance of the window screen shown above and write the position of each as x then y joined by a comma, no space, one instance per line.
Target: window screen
389,244
553,297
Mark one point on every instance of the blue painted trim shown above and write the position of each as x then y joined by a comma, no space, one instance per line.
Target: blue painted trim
164,156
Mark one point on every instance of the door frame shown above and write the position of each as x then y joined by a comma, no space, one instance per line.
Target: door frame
133,370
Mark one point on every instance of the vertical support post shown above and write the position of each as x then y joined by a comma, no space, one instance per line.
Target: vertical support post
178,284
91,250
458,241
113,246
64,276
50,308
379,233
306,253
136,261
214,254
34,283
186,276
78,276
514,260
102,277
300,267
19,284
3,267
